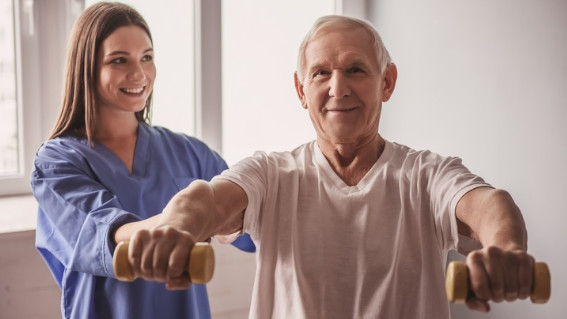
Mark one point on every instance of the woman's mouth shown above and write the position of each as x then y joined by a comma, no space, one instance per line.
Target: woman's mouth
132,90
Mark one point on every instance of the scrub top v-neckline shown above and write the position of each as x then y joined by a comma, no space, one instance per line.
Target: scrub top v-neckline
141,155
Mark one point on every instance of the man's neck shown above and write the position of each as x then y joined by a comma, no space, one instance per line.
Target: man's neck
351,161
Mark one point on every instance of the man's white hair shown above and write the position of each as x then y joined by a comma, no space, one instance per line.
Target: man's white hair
334,22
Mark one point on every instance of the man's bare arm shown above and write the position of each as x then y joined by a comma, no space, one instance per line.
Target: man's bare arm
502,269
206,209
161,253
226,209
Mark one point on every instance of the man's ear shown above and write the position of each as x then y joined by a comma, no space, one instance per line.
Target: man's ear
299,90
389,82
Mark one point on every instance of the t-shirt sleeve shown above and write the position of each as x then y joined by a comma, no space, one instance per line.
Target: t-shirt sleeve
449,181
252,175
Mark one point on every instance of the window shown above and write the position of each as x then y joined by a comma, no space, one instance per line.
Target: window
30,75
9,143
260,43
254,72
33,38
171,24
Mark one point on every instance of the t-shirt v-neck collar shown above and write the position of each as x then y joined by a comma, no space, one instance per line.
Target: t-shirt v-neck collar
321,160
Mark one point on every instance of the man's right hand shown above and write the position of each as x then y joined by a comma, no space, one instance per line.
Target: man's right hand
162,254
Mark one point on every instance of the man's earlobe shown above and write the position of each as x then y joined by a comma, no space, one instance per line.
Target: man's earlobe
299,90
390,77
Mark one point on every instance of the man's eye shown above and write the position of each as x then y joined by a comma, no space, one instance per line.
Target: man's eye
318,73
355,70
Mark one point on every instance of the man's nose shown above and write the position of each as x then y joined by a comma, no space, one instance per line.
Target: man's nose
339,86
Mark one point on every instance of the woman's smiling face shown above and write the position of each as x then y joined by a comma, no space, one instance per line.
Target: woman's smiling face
125,70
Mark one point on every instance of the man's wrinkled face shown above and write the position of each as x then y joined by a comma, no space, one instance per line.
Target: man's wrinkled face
342,87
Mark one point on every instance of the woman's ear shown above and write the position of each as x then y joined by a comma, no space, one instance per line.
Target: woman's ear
389,81
299,90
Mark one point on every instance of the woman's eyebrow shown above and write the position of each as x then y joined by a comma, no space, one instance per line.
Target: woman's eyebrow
119,52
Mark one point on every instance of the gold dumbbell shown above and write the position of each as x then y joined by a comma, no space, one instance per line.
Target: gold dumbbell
200,268
457,283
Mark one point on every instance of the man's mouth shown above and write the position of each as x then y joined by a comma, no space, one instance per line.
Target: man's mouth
343,110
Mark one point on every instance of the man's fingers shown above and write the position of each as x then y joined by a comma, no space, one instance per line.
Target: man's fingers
511,279
499,275
478,276
138,241
526,277
161,256
478,305
179,283
495,272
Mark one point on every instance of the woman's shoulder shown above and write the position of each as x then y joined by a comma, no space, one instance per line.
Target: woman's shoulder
164,133
62,151
64,144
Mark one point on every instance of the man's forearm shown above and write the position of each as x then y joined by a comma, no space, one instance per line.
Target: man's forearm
492,217
124,232
206,209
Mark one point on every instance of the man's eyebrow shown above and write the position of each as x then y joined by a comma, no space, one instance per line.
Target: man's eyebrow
358,63
317,66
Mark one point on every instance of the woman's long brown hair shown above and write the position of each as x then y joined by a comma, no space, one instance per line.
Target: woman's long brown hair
94,25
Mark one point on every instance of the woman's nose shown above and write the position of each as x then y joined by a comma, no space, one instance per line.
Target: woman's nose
137,72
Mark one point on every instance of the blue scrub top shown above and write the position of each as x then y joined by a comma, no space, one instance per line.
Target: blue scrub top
85,193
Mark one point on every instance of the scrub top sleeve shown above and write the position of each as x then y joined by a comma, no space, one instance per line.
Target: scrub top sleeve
76,216
212,164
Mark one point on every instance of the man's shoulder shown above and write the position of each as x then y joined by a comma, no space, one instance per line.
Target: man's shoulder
403,151
301,151
277,160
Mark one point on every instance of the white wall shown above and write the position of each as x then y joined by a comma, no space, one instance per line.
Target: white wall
261,110
28,289
486,81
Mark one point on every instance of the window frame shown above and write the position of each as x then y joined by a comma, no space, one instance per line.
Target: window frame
38,75
42,28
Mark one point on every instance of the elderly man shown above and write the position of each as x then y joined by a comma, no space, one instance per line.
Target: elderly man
350,225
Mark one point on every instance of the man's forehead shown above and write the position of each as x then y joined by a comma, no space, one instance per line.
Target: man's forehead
339,44
339,61
339,57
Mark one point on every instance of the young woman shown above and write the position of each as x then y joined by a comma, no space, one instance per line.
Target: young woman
104,166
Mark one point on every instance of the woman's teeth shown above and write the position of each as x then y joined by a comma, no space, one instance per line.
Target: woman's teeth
133,91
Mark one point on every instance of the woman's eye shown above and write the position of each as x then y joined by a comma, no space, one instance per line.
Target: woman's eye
147,58
118,61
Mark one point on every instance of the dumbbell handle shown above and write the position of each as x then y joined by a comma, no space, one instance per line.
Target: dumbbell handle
200,268
457,283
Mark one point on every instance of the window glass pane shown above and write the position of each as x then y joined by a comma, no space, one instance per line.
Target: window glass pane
9,142
260,42
172,25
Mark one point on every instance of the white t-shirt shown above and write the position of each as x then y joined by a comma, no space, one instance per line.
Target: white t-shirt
329,250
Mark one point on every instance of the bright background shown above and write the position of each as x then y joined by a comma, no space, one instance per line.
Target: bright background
483,80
